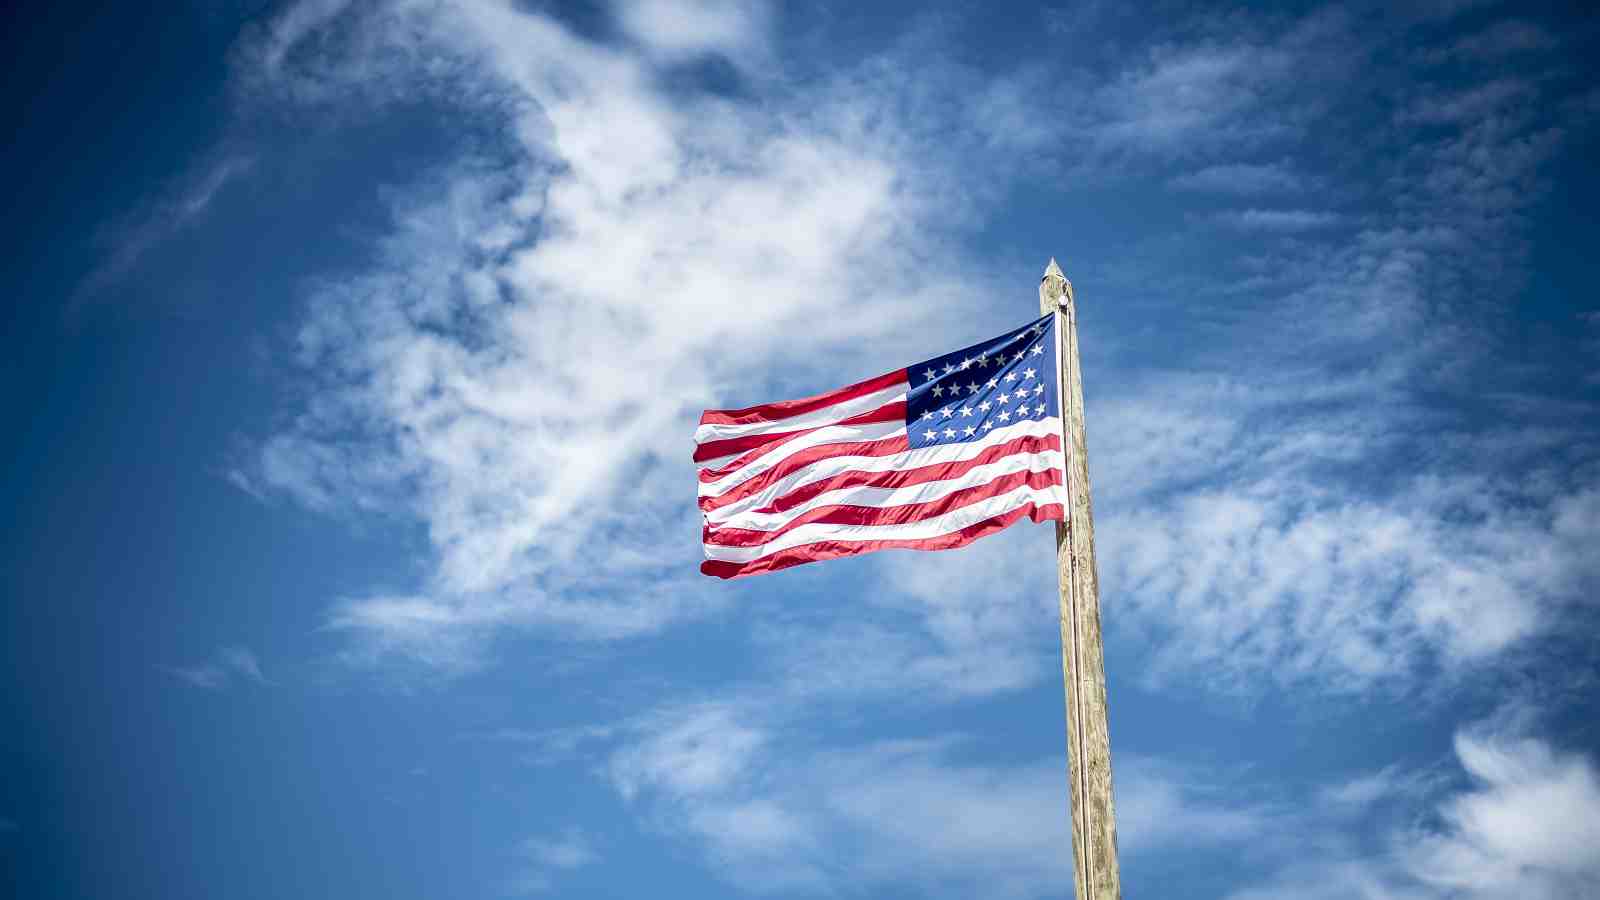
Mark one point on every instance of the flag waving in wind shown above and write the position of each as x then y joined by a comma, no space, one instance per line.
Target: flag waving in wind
929,457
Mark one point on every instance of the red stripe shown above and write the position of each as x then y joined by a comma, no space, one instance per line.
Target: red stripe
821,550
784,409
895,478
889,412
800,459
850,514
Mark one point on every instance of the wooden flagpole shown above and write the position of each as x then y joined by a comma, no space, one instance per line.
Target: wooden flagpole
1094,823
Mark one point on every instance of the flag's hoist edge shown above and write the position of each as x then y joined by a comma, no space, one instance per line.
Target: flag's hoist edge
929,457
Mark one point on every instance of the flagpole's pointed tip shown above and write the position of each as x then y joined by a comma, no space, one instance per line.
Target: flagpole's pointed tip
1055,291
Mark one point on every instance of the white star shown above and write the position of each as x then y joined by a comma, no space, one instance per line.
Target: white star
1039,409
1038,329
983,360
931,434
988,425
972,388
946,412
949,432
1038,351
930,374
970,431
938,391
927,414
948,368
1017,357
966,411
966,363
1005,416
1011,376
985,405
1028,373
993,382
1004,398
1038,390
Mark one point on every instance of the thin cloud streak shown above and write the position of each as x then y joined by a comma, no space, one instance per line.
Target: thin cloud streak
1282,220
1247,179
182,203
226,666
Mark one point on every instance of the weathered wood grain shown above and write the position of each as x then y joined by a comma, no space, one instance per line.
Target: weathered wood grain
1094,823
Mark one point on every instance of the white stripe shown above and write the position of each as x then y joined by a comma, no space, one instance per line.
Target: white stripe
827,415
952,521
902,496
911,459
833,434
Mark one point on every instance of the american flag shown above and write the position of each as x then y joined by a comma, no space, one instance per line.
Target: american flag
929,457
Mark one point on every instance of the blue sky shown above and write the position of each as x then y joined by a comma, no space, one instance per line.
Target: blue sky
354,356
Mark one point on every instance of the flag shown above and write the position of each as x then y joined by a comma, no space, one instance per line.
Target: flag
929,457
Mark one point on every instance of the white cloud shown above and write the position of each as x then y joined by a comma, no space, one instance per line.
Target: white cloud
1243,178
1527,824
1471,105
175,207
1529,827
511,394
1234,87
1281,219
1183,94
678,29
1289,507
1591,343
1500,40
774,806
569,851
1160,805
690,751
1230,533
547,856
225,666
268,47
1354,799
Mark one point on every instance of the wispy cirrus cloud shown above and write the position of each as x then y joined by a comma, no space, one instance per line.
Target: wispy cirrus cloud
1233,538
226,666
1289,506
1243,178
776,808
546,857
1470,105
1498,41
1281,220
180,204
1591,325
